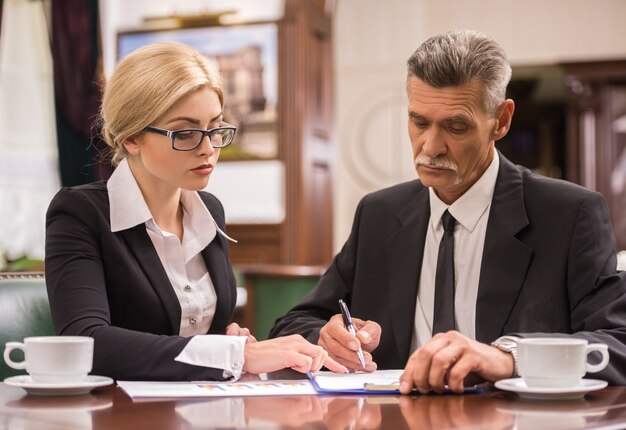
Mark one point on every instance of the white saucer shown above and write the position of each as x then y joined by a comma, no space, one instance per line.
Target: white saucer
518,386
59,388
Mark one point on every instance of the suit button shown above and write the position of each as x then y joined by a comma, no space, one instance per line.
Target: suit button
193,320
187,288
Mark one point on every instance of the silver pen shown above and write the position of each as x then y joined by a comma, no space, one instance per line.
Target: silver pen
347,321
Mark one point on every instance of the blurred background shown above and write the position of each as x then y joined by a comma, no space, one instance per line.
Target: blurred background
316,88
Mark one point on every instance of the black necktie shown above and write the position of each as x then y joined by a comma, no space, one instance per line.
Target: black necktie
443,318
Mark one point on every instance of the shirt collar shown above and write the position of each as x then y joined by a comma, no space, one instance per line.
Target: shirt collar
127,206
129,209
200,227
468,208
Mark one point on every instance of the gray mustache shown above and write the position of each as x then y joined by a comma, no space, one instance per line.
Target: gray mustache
440,162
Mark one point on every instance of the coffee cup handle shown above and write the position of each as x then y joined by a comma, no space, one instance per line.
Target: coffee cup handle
10,346
602,349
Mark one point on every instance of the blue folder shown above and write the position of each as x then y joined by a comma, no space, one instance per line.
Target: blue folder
373,388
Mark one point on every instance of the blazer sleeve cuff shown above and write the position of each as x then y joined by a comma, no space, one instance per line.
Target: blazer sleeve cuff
216,351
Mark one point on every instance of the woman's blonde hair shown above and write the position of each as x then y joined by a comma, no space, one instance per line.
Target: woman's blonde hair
145,85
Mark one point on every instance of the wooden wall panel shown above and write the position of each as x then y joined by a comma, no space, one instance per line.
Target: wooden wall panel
305,125
596,143
307,106
256,243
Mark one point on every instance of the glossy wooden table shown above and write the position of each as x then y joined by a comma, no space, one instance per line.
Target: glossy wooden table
110,408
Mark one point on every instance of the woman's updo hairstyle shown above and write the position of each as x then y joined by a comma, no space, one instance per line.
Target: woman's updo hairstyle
145,85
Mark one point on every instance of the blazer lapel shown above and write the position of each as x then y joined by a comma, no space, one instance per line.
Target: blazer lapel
405,250
505,258
216,262
146,256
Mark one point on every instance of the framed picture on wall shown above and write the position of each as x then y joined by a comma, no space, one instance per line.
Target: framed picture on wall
247,57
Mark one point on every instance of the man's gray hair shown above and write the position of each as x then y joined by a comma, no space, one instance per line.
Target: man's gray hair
461,57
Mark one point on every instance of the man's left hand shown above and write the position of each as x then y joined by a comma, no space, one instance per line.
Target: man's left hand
451,358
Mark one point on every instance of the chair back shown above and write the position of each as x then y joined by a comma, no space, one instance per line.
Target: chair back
272,291
24,312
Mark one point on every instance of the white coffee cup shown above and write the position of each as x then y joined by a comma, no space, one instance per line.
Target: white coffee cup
53,359
557,362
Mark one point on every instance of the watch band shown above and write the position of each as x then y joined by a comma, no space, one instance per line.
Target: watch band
508,344
514,354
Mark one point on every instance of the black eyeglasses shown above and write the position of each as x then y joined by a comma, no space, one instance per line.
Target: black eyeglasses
189,139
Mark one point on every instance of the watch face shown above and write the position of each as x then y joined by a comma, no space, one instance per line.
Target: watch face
507,344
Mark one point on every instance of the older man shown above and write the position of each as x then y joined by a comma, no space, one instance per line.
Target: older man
446,272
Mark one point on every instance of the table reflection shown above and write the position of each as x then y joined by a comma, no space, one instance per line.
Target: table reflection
281,411
110,408
32,412
453,411
594,410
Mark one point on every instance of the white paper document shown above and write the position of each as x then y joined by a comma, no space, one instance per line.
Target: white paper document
142,389
324,382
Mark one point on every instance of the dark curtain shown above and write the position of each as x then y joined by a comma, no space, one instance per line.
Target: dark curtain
76,57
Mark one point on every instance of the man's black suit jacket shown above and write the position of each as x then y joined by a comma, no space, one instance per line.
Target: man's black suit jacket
113,287
548,266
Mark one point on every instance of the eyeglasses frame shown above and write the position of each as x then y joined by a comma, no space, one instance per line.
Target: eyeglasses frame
206,133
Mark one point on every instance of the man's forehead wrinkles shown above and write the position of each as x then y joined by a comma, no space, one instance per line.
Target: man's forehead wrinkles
462,114
445,102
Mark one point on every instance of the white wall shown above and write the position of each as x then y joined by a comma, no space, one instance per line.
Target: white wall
373,40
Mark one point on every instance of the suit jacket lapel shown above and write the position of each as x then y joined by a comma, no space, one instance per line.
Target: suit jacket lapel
505,258
405,249
146,256
216,262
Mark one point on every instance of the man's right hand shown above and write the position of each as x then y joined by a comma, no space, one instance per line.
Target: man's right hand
342,346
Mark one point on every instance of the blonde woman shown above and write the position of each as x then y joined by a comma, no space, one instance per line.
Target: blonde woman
140,263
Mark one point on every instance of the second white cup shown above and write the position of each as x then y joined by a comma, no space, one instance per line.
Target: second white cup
53,359
557,362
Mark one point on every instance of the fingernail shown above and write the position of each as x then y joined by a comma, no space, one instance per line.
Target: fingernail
353,345
365,336
405,387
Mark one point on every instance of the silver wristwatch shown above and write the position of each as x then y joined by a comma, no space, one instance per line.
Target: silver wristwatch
508,344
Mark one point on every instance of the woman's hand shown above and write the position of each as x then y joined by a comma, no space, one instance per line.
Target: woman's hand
233,329
287,352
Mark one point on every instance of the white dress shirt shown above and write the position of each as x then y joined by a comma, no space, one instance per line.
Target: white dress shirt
185,269
471,212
